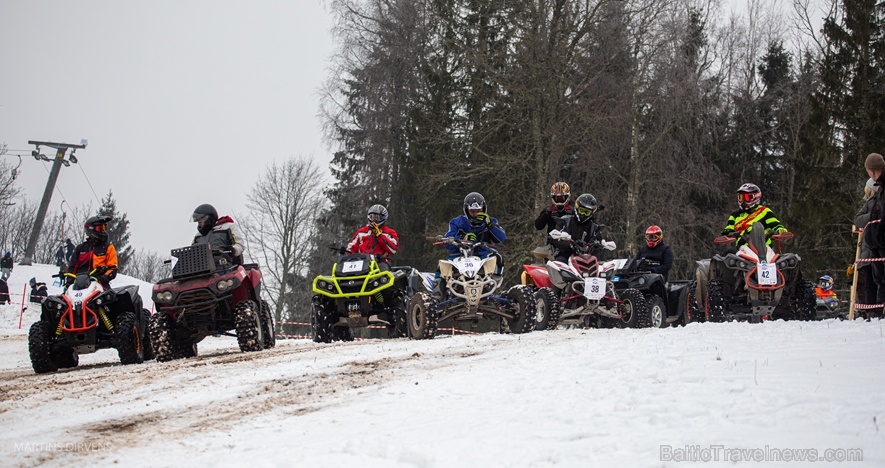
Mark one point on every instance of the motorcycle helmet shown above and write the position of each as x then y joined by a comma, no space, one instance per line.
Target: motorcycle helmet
474,201
96,228
653,236
377,214
205,216
749,196
826,282
585,206
560,193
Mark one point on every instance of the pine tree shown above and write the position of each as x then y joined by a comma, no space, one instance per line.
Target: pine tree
118,230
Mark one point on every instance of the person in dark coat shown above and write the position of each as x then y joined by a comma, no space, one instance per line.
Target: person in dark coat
655,255
4,292
874,235
38,291
69,250
867,289
6,266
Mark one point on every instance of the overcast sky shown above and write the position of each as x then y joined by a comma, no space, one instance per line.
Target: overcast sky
183,102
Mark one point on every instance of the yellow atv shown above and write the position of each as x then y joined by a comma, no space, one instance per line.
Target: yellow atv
360,292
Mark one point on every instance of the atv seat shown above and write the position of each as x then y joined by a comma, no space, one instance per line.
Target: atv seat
251,266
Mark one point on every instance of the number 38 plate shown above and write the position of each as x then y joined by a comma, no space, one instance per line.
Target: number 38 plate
594,288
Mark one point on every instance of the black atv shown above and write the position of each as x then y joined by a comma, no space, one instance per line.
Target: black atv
667,303
86,318
209,294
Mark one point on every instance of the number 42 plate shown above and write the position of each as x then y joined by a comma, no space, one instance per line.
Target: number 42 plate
766,274
594,288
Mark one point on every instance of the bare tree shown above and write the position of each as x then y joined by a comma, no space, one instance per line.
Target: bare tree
278,227
147,266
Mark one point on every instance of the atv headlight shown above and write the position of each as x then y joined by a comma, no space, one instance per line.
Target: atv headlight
383,280
742,265
224,285
375,284
164,296
59,305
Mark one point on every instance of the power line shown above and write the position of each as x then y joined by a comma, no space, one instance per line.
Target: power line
97,200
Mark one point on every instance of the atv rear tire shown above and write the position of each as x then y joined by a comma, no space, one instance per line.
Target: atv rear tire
129,339
632,309
523,308
398,327
714,302
320,325
268,330
248,321
657,311
804,302
422,316
548,309
38,348
691,312
148,343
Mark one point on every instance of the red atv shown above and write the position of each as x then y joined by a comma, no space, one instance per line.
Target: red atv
575,293
209,294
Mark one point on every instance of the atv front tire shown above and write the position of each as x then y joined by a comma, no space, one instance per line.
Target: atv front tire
129,339
166,347
38,348
714,302
268,331
523,308
657,311
148,343
248,322
632,309
548,309
320,324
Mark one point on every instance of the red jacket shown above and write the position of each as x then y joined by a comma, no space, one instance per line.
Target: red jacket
382,246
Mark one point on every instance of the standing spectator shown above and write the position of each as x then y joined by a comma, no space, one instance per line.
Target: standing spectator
6,266
38,291
873,234
4,292
867,289
60,256
69,250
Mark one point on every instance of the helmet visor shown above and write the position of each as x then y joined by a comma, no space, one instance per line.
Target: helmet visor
583,211
200,217
100,227
560,199
746,197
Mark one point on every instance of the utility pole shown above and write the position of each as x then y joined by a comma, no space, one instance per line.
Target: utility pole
61,149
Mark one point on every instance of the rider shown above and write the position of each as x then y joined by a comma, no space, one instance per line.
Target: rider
221,234
375,237
824,290
750,212
560,193
657,255
95,254
581,226
476,225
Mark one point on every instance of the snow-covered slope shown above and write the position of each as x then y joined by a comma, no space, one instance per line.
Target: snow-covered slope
563,398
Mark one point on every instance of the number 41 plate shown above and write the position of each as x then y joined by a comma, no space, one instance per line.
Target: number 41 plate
594,288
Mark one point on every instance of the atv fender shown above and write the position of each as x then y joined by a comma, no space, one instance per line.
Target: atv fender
536,275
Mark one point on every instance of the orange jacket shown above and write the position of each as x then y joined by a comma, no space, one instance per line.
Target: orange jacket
823,295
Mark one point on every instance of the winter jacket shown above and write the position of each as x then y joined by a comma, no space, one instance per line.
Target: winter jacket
550,214
742,221
662,257
825,294
382,246
224,235
861,218
6,261
91,255
589,231
490,234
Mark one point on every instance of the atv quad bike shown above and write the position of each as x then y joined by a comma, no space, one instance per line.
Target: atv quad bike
86,318
667,302
467,291
360,292
209,294
754,282
574,294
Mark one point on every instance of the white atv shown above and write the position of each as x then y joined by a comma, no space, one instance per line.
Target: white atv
468,291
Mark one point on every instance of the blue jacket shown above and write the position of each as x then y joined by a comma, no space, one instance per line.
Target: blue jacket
460,226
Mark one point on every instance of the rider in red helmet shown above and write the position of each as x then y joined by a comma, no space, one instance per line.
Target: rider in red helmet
655,256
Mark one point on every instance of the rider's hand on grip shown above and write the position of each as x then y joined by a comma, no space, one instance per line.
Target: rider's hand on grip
470,237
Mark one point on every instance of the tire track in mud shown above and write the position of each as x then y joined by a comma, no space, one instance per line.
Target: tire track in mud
296,391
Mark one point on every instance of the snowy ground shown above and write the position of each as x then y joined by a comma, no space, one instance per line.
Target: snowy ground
609,398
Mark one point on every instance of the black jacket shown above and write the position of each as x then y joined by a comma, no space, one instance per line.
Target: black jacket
6,262
659,259
588,232
550,215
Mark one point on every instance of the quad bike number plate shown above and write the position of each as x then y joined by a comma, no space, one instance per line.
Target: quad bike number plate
350,267
766,274
594,288
353,309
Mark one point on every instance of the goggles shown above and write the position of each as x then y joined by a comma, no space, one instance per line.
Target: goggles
653,237
560,199
584,211
100,228
375,217
746,196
